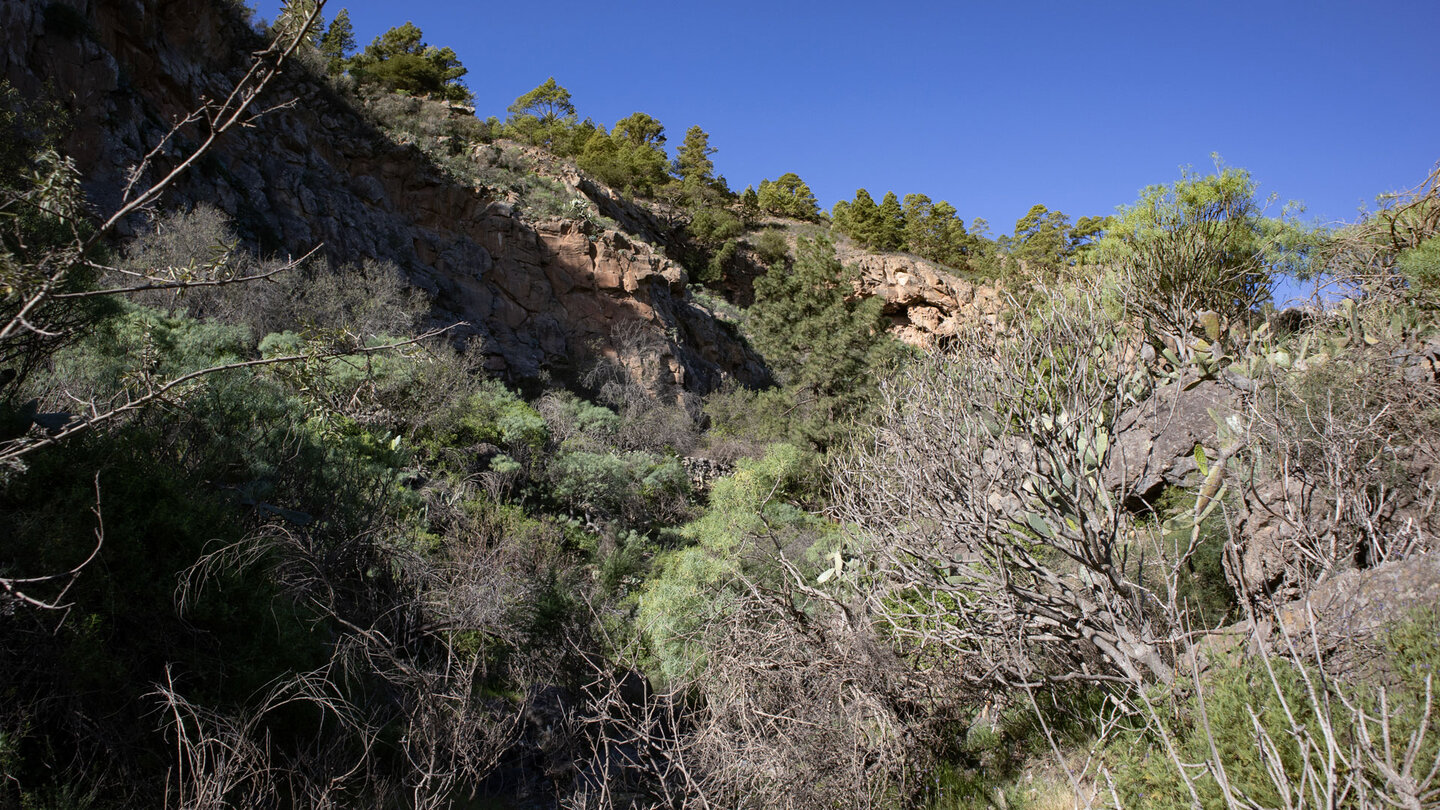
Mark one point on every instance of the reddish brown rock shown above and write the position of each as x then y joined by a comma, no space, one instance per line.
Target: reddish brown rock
534,296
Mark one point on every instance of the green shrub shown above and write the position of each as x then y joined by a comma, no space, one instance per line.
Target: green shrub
1414,651
1145,775
1297,708
1421,267
713,226
638,488
690,587
753,418
497,415
578,423
771,246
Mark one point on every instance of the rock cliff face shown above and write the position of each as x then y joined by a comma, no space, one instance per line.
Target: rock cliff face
924,303
547,296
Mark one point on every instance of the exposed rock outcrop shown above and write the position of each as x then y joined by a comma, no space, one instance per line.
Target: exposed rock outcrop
1154,443
1348,615
924,303
704,472
535,296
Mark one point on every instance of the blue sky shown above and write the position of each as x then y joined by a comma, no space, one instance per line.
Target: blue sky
993,106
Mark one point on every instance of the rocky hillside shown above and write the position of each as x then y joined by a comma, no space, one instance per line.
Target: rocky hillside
536,297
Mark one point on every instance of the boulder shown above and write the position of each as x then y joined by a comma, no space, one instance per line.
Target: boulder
1154,443
1348,615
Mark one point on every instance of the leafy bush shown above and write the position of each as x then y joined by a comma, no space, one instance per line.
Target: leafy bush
1199,244
689,587
638,488
821,340
496,414
770,244
577,422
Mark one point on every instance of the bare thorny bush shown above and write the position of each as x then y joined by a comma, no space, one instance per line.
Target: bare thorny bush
995,552
403,650
227,759
48,261
996,546
1342,459
629,376
415,650
797,704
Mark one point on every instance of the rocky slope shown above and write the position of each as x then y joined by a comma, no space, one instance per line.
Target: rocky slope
924,303
535,297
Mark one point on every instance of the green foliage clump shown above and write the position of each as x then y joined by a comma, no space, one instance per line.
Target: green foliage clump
496,414
43,231
1420,266
692,162
578,421
928,229
824,344
771,246
633,485
1294,708
788,196
1200,243
1414,651
1145,775
543,116
715,268
1041,241
690,587
236,456
399,60
630,158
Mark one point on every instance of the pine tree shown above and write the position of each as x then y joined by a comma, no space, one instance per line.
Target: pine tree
890,223
338,43
840,216
547,103
1042,240
693,163
825,343
749,206
864,219
545,116
400,60
919,232
788,196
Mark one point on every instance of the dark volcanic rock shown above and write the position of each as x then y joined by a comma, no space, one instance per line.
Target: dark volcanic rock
1154,445
535,297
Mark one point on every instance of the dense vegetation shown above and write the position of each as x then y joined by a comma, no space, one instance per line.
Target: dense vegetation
266,540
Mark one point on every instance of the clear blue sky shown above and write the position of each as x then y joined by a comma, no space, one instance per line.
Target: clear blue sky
993,106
